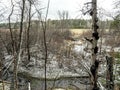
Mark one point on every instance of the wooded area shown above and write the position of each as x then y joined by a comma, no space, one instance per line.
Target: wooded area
39,53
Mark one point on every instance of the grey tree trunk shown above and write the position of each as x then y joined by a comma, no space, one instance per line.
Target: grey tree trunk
109,77
28,32
19,51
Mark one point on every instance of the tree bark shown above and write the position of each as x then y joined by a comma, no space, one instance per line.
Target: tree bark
28,32
21,23
109,77
95,62
19,49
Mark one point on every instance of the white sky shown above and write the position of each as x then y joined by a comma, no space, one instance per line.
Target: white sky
72,6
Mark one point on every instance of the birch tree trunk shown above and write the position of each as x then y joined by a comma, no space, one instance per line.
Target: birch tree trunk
95,62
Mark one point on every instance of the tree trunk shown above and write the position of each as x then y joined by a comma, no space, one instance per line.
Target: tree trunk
95,62
45,44
28,32
17,57
109,77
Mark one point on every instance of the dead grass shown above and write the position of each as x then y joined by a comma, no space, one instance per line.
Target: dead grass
85,32
78,31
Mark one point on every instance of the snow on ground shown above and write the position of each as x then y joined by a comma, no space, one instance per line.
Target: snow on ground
36,68
79,48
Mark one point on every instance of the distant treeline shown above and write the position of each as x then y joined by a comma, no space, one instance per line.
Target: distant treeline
67,23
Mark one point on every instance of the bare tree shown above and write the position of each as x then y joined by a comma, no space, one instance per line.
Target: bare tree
11,33
28,31
13,47
19,48
45,44
95,64
94,42
63,16
44,28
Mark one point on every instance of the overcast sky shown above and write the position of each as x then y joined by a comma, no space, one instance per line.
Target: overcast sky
72,6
